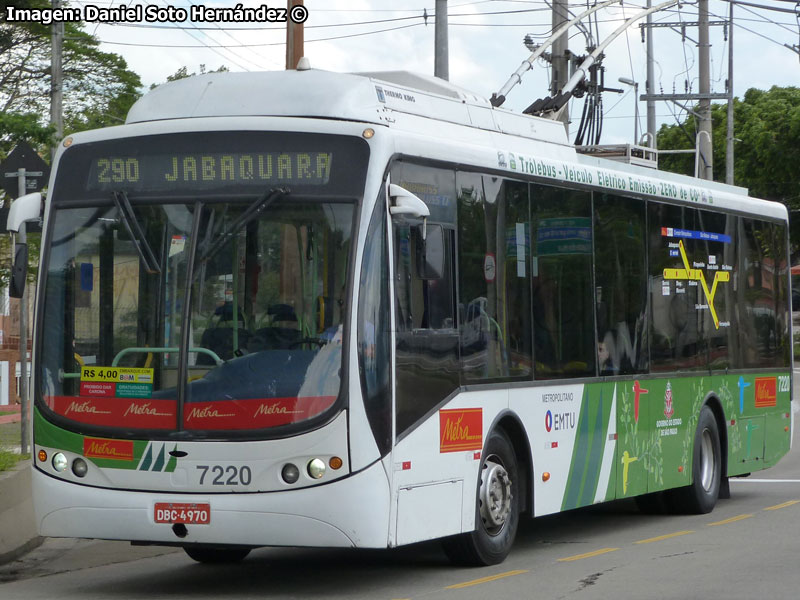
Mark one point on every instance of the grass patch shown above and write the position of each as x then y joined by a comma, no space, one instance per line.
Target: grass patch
10,435
8,460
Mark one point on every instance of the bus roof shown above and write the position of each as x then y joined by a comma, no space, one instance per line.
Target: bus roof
406,102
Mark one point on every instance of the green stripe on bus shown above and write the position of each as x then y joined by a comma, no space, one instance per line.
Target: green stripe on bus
579,456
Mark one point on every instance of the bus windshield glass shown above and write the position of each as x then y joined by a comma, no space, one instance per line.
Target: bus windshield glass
174,306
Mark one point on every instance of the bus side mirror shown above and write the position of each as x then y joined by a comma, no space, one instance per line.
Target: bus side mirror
23,209
404,202
430,253
19,271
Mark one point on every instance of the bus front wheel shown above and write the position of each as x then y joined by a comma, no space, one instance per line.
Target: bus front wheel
496,510
216,555
701,496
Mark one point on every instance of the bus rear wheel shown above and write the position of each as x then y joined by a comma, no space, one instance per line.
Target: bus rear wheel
701,496
496,510
216,555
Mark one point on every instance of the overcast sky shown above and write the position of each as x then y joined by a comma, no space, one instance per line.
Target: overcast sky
485,47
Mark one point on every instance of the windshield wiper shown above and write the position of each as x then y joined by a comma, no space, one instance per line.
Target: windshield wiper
135,231
251,212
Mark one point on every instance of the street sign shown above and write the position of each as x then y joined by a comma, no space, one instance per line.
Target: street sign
37,173
36,170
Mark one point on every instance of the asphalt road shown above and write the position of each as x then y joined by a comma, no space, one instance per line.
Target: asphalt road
746,548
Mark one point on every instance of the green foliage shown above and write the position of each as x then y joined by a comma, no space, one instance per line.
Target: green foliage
98,88
183,73
767,150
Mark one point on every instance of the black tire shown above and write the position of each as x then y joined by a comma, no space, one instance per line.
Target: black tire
495,522
216,555
701,496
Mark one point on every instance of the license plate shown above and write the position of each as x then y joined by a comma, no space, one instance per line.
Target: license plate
181,512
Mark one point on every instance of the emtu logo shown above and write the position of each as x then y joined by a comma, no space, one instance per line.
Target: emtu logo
548,421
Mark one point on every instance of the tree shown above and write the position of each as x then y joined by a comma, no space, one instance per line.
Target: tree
767,146
98,86
183,73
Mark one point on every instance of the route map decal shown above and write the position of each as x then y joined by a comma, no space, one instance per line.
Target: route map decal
693,273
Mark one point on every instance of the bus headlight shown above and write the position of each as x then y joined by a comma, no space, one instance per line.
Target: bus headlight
290,473
79,467
316,468
59,462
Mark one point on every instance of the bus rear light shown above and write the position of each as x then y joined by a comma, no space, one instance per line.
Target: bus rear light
79,467
335,463
290,473
316,468
60,462
42,456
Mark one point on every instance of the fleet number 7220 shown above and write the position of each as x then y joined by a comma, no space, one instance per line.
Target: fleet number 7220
225,475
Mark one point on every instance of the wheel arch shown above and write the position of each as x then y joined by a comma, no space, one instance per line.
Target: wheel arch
510,423
714,403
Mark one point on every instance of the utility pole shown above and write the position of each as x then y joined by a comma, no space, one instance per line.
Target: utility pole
650,85
294,38
704,104
560,61
704,96
25,423
729,149
441,57
56,77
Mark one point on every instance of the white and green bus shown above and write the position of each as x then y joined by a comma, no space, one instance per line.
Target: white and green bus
313,309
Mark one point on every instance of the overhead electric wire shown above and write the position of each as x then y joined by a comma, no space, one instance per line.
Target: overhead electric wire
212,48
338,37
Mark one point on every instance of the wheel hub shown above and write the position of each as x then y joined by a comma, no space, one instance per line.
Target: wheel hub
495,496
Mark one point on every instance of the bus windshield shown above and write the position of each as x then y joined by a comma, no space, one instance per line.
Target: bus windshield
221,308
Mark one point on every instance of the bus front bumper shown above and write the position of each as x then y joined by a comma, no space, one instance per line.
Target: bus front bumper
350,512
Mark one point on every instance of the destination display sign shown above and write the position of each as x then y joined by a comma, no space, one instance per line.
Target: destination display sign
208,170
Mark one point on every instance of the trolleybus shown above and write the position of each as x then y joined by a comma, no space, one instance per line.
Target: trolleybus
305,308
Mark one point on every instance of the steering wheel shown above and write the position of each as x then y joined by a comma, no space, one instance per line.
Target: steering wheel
308,340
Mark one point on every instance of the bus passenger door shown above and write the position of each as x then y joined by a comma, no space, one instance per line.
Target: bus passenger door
428,483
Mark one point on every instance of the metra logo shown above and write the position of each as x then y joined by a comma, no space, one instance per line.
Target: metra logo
84,407
559,421
108,449
207,413
155,458
460,429
274,409
143,410
766,392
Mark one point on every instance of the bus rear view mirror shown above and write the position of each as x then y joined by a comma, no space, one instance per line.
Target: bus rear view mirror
19,271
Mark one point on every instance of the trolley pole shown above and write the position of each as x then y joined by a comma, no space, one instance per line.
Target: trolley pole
441,57
294,38
25,423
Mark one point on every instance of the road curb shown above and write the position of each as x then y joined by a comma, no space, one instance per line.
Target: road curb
17,523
